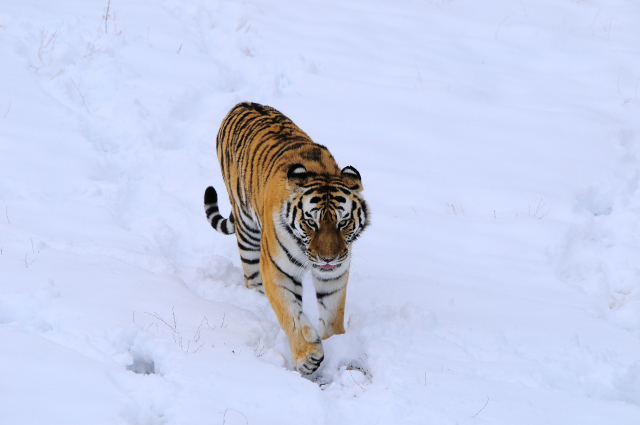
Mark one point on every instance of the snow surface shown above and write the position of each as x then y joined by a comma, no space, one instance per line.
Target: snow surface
499,144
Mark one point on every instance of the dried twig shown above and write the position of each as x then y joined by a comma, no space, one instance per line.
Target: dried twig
157,316
495,37
538,210
26,263
91,47
365,366
196,336
263,349
57,73
485,405
44,45
106,16
115,26
77,86
225,414
355,380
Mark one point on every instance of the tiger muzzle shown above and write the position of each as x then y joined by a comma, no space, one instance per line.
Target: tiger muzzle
327,246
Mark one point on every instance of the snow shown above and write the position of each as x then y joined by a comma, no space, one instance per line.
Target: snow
498,143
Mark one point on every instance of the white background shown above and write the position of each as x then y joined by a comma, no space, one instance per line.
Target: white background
499,282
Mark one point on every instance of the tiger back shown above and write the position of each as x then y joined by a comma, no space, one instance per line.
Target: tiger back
293,209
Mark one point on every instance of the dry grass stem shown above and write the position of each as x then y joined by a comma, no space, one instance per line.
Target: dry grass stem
77,86
224,415
46,44
365,366
106,16
485,405
363,390
539,211
497,30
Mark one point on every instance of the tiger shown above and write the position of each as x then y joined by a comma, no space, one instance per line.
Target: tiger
293,210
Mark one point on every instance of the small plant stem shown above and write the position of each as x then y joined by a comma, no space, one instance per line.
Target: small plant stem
225,414
106,17
485,405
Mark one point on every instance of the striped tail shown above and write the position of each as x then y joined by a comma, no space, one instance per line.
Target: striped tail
222,225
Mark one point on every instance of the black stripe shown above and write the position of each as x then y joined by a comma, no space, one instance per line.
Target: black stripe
244,248
289,256
311,188
321,295
293,235
244,260
223,227
286,148
293,217
295,282
253,275
215,220
288,209
330,278
250,230
298,296
315,361
248,233
211,210
247,241
285,225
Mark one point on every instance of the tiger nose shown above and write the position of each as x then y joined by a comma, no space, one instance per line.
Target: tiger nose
328,260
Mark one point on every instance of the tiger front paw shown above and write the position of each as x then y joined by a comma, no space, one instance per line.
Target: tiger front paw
308,362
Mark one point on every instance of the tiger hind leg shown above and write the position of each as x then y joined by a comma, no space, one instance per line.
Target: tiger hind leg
248,237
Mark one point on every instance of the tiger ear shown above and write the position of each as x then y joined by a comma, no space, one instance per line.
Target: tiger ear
296,176
351,178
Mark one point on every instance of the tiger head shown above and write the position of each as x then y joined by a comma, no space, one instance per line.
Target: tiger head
324,213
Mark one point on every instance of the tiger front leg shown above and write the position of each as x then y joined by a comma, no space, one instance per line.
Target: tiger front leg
284,292
331,294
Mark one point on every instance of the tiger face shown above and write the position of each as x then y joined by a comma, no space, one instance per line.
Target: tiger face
325,214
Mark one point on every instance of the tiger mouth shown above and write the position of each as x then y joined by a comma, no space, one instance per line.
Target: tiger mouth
326,267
